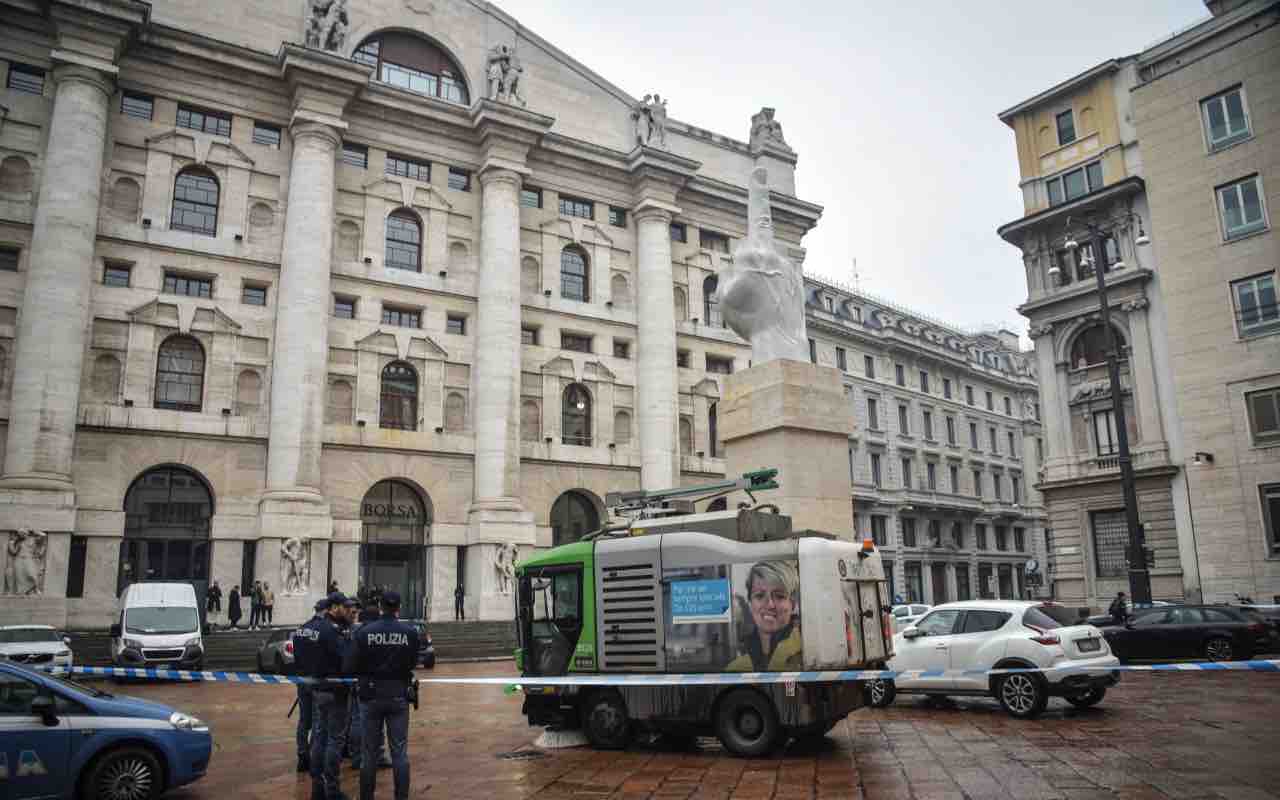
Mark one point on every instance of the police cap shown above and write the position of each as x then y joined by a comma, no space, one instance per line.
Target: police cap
337,599
322,604
390,599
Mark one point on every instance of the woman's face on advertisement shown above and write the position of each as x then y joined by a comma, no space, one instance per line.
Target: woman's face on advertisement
771,605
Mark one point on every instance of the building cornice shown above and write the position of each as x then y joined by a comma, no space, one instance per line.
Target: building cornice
1070,84
1014,232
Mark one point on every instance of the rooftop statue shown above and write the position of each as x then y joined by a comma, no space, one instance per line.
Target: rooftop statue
761,292
327,24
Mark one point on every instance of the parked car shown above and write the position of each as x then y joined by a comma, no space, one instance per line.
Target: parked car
61,739
426,648
907,614
39,645
1218,633
984,635
276,652
1268,614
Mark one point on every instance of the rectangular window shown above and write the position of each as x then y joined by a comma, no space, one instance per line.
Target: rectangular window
356,155
951,430
621,348
963,591
906,473
1104,432
248,557
955,479
1264,415
1257,311
899,375
575,342
980,536
946,388
459,179
1037,410
879,528
1240,205
720,366
991,434
531,197
344,307
402,317
266,135
682,358
813,352
931,473
842,362
996,483
710,240
253,294
406,167
577,207
927,419
1271,514
1066,127
199,119
873,414
75,566
617,217
1015,489
968,395
1008,407
117,275
1110,542
915,580
1074,183
991,403
455,324
25,78
1002,537
903,427
869,366
1019,540
876,476
1013,451
1039,451
140,106
924,381
191,287
679,232
973,435
9,259
977,483
908,532
1225,119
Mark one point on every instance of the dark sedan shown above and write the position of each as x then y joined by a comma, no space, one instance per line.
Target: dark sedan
426,648
1216,633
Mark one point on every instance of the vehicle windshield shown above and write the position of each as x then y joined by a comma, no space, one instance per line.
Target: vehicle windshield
161,619
1048,617
28,635
555,600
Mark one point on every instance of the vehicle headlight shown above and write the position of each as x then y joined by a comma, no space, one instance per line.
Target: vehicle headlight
133,644
186,722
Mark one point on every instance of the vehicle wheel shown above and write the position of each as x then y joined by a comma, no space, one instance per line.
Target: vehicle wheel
429,662
1022,694
604,721
1218,649
747,724
130,773
281,668
1090,698
880,693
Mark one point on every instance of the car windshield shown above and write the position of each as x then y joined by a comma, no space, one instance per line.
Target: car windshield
28,635
161,619
1047,617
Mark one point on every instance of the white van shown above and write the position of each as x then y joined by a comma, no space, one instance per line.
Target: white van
159,627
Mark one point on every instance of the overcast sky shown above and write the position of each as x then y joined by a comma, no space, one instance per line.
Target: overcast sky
891,106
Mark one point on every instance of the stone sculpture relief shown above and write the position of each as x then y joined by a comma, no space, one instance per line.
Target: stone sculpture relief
24,569
327,24
766,130
761,292
650,119
294,567
505,72
504,564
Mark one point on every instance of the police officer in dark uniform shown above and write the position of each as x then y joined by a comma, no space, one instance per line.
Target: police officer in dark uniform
355,736
382,658
304,640
329,700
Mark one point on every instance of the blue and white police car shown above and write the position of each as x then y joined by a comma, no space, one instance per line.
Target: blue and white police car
60,739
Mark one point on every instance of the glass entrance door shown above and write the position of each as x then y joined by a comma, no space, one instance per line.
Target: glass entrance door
393,551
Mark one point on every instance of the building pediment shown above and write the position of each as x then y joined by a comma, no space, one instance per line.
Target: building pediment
707,387
203,148
594,370
561,366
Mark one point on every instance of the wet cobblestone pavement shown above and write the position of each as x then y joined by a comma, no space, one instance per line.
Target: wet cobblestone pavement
1177,735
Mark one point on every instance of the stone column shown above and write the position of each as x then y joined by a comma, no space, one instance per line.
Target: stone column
1054,410
54,318
1146,394
656,376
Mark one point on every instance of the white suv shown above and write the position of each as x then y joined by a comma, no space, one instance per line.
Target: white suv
982,635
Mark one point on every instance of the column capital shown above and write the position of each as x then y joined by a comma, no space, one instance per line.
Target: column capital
492,173
649,209
322,83
658,175
507,133
66,70
302,128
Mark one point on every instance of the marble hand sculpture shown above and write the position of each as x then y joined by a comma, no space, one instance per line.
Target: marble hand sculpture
761,293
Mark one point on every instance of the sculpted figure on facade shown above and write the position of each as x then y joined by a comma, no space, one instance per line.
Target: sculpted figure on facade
25,566
327,24
504,74
294,566
504,564
761,292
650,119
766,130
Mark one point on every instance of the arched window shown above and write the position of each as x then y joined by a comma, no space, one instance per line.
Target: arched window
413,63
681,301
620,292
710,306
576,416
573,515
1090,347
195,202
713,432
686,436
168,514
248,393
574,284
404,241
399,397
180,374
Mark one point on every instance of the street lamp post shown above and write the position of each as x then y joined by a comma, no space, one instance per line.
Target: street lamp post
1139,577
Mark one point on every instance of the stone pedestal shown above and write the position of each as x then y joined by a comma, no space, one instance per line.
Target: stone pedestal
488,530
793,416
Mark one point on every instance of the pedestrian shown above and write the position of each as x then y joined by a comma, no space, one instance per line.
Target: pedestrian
233,606
459,608
382,657
213,599
1119,609
333,587
304,641
329,701
268,602
256,606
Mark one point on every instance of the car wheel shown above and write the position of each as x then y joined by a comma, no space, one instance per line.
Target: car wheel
605,722
1218,649
746,723
1022,694
880,693
429,662
1089,698
130,773
280,667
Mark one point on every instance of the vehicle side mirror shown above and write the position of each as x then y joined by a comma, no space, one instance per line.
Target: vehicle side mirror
43,707
115,631
66,640
912,633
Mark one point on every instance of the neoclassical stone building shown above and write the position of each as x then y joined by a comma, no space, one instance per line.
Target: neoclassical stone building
371,292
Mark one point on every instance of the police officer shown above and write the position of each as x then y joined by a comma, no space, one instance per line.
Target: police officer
382,658
304,640
355,737
329,701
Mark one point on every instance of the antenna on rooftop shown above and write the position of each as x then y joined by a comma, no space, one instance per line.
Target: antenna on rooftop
855,273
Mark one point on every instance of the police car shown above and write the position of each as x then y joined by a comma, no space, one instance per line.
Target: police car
60,739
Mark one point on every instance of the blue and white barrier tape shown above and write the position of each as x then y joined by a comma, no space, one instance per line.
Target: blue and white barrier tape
686,679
